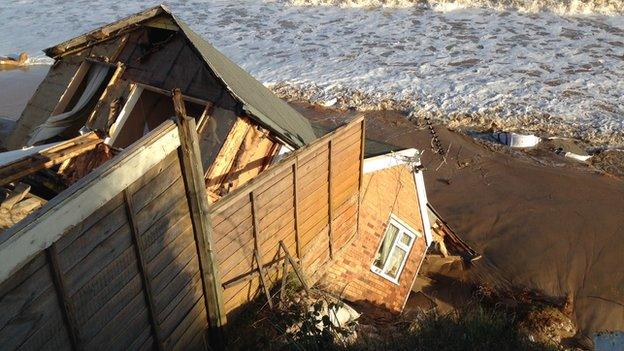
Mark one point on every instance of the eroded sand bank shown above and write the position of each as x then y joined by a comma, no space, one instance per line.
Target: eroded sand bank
539,220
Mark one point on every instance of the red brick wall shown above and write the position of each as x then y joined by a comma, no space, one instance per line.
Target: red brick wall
385,192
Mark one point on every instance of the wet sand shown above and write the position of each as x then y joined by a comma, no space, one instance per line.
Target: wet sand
541,221
17,85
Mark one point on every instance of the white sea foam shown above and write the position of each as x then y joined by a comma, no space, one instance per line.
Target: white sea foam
537,71
562,7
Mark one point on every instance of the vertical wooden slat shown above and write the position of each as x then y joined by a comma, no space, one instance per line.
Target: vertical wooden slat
197,196
329,199
67,311
295,173
147,286
257,250
359,202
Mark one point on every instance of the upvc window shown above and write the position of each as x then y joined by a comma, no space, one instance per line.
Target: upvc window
393,250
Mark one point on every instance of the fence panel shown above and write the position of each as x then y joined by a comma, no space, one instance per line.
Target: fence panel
116,261
291,202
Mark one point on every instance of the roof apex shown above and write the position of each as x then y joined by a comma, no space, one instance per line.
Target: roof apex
257,100
105,31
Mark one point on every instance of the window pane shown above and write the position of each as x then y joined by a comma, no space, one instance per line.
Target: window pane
386,246
395,262
406,239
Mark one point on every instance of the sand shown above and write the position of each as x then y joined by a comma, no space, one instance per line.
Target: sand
541,221
17,85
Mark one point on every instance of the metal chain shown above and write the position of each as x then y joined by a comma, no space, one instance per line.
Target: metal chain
436,145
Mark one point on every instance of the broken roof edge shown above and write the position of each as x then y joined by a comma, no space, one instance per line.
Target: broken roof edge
106,30
294,127
391,159
256,99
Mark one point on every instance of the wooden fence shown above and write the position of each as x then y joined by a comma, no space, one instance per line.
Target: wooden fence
309,201
127,257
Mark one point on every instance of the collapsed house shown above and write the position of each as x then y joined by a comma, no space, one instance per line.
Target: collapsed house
117,81
146,232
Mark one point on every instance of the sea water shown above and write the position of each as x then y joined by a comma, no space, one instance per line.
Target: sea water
550,67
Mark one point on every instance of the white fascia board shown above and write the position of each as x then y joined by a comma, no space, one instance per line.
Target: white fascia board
392,159
419,182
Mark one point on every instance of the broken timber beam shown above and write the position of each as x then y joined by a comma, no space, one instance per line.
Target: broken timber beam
200,216
295,266
48,157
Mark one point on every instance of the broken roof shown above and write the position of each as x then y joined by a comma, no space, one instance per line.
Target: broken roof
260,103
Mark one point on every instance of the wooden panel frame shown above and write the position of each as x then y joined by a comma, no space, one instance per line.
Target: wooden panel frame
46,225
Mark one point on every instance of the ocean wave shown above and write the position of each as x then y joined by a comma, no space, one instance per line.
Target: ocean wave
507,117
562,7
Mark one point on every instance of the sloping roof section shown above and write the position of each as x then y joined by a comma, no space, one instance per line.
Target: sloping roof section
258,101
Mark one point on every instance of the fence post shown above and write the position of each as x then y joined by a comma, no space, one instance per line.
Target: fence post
330,212
359,194
295,170
197,196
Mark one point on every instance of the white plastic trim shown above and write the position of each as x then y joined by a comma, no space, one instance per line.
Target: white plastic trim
419,181
377,163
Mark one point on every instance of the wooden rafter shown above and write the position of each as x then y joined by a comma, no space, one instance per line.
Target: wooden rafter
47,158
219,169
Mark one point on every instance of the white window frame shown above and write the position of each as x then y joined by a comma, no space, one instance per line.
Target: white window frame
404,228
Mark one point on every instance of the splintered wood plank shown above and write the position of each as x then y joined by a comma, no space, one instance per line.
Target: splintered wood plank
48,157
219,169
250,145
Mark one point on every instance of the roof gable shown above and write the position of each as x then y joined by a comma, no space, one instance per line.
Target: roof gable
258,101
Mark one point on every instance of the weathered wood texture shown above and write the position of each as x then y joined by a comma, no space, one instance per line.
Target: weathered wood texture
247,151
125,277
129,273
48,157
276,211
